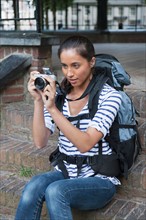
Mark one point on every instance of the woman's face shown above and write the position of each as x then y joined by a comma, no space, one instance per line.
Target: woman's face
75,68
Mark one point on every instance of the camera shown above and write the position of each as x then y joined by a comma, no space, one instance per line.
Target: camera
40,82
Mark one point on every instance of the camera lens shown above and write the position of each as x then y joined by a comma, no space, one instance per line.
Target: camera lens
40,83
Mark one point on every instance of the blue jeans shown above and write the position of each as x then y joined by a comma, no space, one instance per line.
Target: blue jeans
61,195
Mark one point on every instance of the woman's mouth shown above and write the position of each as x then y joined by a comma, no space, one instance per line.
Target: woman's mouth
72,81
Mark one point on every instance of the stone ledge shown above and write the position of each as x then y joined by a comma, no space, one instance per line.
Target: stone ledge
27,39
55,37
12,67
106,36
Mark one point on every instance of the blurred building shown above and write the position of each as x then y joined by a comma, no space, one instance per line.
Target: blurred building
81,15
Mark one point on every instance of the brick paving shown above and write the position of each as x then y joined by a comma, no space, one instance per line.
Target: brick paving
119,208
130,201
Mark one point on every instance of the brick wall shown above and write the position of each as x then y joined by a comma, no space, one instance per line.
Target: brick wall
16,105
17,90
14,92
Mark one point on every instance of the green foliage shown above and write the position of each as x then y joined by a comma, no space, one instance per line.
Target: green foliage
55,4
26,172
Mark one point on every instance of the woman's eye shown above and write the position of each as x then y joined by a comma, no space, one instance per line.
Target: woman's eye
76,65
64,66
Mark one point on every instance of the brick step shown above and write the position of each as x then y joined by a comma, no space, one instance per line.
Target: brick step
17,120
25,133
120,208
16,154
139,100
17,117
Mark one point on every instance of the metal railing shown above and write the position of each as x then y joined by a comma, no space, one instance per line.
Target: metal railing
23,15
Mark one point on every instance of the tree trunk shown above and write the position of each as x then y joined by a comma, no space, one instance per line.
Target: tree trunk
16,14
102,15
39,18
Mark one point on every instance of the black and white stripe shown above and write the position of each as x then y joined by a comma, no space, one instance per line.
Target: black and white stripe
108,106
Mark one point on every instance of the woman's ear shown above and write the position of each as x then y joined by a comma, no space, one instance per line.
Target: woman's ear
92,62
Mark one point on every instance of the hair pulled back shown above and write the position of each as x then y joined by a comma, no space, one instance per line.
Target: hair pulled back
81,44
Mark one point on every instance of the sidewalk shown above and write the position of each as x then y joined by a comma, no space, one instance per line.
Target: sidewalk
131,55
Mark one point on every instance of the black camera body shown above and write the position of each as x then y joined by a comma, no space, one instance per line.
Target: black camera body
40,82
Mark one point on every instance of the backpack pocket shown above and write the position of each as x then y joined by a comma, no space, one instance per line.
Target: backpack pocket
128,153
105,164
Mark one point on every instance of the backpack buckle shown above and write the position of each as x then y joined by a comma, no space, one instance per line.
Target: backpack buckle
89,160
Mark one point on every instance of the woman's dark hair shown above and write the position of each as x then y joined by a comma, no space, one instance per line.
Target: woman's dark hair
84,48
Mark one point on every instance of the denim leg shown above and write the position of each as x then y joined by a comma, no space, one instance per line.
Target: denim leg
31,202
82,193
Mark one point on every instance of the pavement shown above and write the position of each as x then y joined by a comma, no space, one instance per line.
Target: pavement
131,55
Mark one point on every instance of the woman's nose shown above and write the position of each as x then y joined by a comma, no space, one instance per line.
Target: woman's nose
69,72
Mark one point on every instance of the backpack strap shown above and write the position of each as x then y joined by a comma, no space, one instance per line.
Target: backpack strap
95,85
96,162
78,118
101,164
94,90
101,79
61,96
88,90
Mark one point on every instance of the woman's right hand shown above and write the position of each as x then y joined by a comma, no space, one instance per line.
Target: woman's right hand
31,87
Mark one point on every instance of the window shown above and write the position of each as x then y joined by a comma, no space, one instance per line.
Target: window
109,11
87,24
120,10
87,9
133,11
60,12
74,10
74,23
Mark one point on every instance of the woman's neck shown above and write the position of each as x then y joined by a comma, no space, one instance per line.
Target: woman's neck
76,92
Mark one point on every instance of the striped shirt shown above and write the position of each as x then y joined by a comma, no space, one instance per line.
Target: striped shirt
108,105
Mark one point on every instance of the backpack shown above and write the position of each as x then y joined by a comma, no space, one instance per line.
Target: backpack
123,137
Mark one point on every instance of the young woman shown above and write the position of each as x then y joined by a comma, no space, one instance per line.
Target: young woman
82,188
